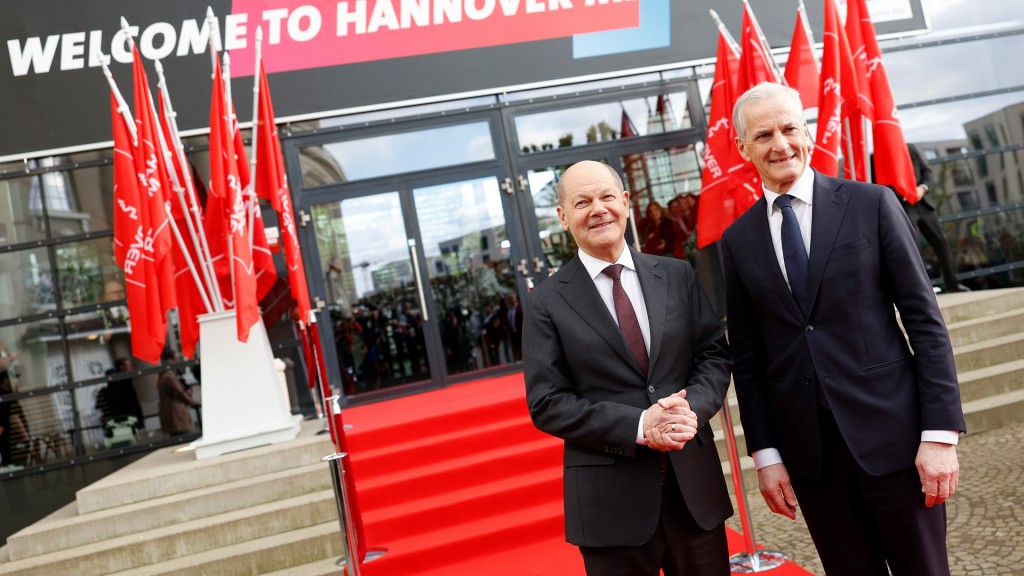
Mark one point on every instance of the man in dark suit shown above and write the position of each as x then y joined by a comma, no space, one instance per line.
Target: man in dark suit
627,366
838,411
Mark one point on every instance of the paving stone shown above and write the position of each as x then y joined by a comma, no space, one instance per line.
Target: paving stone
985,517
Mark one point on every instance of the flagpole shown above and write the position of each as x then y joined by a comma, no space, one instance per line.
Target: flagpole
190,205
214,42
725,32
802,13
180,191
122,106
252,199
849,149
226,79
764,44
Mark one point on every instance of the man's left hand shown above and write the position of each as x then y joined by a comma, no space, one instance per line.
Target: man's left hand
939,470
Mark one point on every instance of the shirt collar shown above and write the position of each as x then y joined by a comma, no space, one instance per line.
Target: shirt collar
803,189
596,266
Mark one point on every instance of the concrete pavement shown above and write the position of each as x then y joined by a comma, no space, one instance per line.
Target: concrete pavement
985,516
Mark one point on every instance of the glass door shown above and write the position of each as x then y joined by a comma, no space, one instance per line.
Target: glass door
468,254
370,282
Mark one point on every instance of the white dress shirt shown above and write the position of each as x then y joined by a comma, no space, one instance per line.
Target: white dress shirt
631,285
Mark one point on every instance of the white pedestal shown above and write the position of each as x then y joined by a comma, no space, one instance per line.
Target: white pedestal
243,406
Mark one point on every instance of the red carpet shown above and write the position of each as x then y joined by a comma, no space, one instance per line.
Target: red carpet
458,482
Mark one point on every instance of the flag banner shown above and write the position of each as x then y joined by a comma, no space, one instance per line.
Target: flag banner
717,209
802,65
271,183
132,240
154,186
892,165
226,216
825,158
756,64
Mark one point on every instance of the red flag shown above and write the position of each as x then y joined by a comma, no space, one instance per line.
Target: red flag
132,245
825,158
153,179
226,217
271,183
892,159
190,301
756,63
717,209
802,65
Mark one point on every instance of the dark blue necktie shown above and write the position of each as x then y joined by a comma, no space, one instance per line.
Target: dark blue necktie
793,251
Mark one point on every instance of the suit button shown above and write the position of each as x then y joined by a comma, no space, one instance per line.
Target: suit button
650,389
807,379
809,329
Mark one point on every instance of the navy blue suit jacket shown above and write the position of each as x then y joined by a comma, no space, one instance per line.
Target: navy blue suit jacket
882,390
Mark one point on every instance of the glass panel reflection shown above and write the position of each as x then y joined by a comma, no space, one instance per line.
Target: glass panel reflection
664,187
602,122
87,273
42,428
26,283
34,354
371,292
19,222
351,160
466,245
558,245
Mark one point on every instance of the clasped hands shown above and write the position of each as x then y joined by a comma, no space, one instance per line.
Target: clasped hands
670,423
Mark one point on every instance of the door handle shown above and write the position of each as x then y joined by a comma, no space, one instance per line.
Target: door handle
419,278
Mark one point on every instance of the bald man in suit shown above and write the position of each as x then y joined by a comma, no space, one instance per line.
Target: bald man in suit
627,366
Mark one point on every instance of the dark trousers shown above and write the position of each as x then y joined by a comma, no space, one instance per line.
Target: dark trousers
928,222
679,547
860,523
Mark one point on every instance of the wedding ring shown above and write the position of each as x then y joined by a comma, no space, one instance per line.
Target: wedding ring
673,427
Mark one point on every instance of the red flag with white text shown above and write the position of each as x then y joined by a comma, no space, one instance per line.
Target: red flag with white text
892,159
825,158
226,216
132,245
271,183
755,64
154,186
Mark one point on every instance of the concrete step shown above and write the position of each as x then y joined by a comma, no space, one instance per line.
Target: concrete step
181,540
991,380
171,471
324,567
960,306
986,327
285,554
67,529
990,352
994,411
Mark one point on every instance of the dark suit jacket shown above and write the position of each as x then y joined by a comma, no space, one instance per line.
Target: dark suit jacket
864,262
584,386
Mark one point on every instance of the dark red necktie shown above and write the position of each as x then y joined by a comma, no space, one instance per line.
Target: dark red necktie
627,318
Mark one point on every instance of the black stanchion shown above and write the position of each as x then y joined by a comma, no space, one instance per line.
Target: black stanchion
752,559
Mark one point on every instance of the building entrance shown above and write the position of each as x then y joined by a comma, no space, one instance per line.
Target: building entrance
421,237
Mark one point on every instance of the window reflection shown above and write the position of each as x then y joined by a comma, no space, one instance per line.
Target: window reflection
27,283
371,292
19,222
664,185
602,122
377,156
42,429
558,245
37,353
466,245
87,273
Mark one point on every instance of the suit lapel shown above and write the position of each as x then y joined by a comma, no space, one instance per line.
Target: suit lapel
829,208
655,288
580,294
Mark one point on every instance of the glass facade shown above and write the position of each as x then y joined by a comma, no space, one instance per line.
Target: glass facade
485,194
